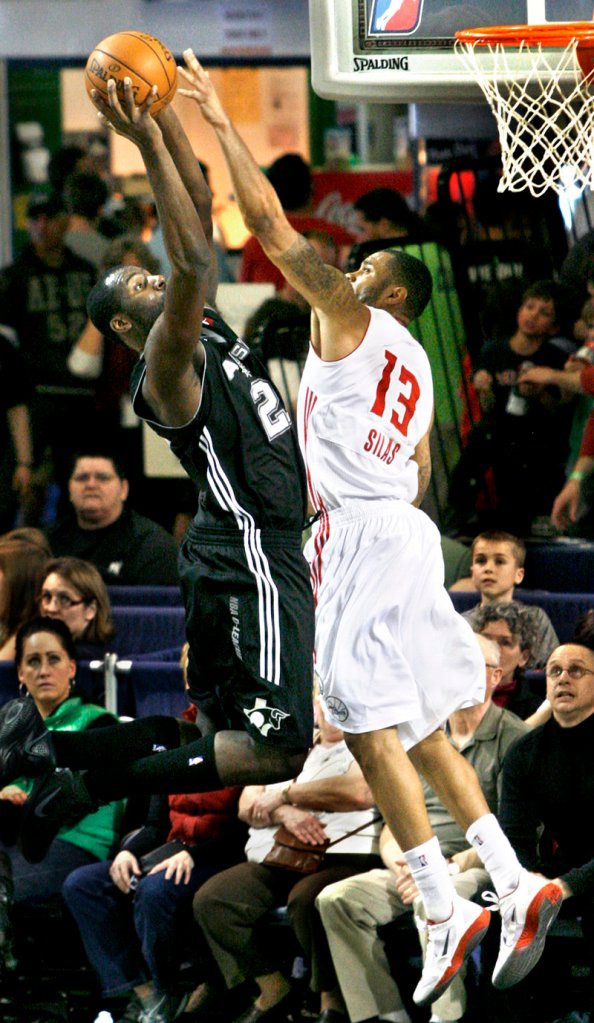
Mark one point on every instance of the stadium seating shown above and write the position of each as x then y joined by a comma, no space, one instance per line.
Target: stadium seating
562,608
143,629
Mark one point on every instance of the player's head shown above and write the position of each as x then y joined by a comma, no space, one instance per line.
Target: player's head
497,564
393,280
125,304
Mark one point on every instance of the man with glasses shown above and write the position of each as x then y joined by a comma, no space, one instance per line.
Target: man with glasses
547,793
127,548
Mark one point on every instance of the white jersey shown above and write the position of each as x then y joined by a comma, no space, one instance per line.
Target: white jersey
360,418
390,648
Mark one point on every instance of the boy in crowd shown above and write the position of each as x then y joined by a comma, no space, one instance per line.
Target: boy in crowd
497,567
523,435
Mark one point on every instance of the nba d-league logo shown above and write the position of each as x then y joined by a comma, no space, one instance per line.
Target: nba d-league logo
399,16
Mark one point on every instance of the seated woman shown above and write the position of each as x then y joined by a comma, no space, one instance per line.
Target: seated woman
22,569
46,669
133,918
74,591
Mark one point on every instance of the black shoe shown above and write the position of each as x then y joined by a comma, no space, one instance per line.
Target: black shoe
25,744
57,799
275,1014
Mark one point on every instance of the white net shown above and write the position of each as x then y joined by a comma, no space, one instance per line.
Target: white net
545,116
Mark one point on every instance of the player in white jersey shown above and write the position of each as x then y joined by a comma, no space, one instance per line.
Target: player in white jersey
386,632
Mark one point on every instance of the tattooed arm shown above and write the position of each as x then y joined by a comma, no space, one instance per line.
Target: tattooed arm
422,457
343,319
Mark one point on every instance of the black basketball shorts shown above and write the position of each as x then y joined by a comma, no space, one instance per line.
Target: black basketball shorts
250,628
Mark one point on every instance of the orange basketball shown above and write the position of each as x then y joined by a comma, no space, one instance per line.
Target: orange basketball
138,56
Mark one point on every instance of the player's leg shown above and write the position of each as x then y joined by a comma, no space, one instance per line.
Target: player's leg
528,903
456,925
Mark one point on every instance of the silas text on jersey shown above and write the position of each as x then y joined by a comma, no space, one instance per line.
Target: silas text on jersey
384,448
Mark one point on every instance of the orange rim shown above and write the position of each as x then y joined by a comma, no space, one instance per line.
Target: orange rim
556,34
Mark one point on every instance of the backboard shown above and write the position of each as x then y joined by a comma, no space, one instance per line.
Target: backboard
401,51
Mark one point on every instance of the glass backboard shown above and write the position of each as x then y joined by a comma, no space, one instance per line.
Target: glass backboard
402,51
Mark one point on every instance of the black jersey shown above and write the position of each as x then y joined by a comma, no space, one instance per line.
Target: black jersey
241,448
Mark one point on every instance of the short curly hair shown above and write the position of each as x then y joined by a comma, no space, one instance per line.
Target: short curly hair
518,618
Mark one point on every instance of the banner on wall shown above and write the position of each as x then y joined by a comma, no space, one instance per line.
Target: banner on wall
336,191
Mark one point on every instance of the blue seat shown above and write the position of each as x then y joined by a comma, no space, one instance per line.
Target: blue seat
142,596
563,565
154,687
563,609
142,629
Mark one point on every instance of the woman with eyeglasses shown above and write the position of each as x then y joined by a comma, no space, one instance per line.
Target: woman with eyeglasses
46,667
74,591
22,569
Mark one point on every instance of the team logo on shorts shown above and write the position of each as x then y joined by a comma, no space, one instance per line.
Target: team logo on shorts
266,719
337,707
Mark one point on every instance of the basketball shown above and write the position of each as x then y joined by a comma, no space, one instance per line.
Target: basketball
138,56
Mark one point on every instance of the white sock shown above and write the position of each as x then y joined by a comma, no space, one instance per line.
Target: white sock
494,849
401,1016
430,872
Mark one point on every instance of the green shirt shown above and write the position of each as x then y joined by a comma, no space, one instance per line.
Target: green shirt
98,832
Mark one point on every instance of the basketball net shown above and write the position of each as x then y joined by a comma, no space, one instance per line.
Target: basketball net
545,120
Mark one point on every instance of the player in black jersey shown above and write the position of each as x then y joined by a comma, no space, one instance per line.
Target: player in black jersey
246,584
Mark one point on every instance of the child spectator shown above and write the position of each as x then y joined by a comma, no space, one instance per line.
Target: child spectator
497,568
523,435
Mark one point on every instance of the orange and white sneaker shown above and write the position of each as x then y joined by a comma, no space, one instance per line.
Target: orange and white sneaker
448,945
526,915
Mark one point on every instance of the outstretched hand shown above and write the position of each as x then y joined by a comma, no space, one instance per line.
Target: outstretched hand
201,90
124,116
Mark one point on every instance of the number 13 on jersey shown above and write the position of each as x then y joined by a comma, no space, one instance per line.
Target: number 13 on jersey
407,397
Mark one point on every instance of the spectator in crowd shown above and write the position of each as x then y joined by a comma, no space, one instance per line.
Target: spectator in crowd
22,569
28,534
523,435
576,377
85,195
126,547
327,800
354,908
512,628
46,668
16,443
497,567
384,213
42,298
291,179
74,591
572,510
134,919
547,786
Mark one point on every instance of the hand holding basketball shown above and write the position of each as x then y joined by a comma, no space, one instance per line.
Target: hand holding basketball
142,58
125,116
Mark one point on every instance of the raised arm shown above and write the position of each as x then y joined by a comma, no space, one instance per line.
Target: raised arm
343,318
172,384
183,156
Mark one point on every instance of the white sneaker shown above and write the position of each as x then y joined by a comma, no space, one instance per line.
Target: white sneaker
526,915
448,945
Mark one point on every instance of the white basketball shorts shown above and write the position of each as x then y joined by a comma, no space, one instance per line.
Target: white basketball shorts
390,647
